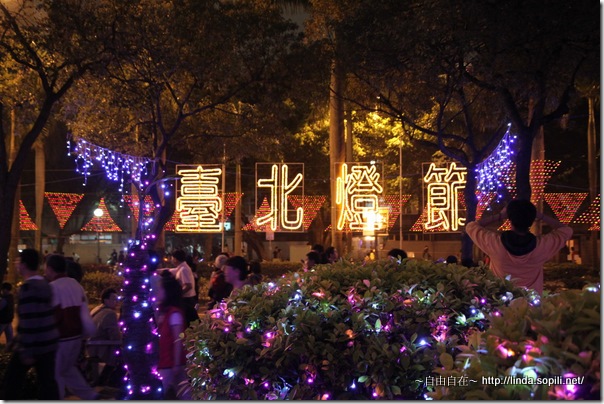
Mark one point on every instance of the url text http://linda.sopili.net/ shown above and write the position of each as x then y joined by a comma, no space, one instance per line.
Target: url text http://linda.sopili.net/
465,381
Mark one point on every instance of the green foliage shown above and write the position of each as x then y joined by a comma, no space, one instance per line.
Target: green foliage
274,270
342,331
94,283
558,337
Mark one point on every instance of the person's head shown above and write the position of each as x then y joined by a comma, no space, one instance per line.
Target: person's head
312,258
451,259
521,213
220,260
74,270
29,261
109,298
318,248
55,266
6,288
397,254
169,292
179,256
332,254
235,269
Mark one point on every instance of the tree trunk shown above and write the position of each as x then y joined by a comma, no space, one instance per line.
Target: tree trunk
40,187
7,204
336,141
471,202
523,163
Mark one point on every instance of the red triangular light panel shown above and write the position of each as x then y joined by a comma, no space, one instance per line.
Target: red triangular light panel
104,223
63,205
132,201
310,204
25,222
395,203
565,204
591,215
264,209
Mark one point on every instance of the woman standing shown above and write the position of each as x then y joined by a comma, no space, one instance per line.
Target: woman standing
171,323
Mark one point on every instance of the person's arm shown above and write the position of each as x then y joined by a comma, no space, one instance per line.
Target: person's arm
550,221
499,217
186,287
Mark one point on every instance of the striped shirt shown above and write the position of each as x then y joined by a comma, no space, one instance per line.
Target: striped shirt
36,332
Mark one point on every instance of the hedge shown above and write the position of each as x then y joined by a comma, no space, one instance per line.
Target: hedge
556,342
341,331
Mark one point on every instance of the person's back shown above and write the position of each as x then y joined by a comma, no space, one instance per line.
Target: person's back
518,252
37,335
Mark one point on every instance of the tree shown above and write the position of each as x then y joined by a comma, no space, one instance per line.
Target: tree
45,48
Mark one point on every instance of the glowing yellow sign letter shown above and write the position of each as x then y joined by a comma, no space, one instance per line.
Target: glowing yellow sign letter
280,189
444,186
198,202
357,193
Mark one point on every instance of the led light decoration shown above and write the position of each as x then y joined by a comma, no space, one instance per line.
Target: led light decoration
491,173
170,225
63,205
484,200
419,223
310,204
539,175
140,342
444,185
280,188
591,216
357,194
134,205
102,224
395,204
198,203
25,222
263,210
229,201
117,166
565,205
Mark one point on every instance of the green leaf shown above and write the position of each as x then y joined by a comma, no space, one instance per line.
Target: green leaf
446,360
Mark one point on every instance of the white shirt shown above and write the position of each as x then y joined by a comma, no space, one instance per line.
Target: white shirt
183,275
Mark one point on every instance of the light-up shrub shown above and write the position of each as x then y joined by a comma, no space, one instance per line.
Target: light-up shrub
556,344
341,332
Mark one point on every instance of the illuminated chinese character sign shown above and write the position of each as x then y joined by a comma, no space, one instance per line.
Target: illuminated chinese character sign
198,202
443,185
358,190
278,183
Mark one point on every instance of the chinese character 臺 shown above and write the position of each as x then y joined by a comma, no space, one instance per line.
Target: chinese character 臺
199,204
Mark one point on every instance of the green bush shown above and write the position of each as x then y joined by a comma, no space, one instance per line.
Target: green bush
342,331
560,337
95,282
